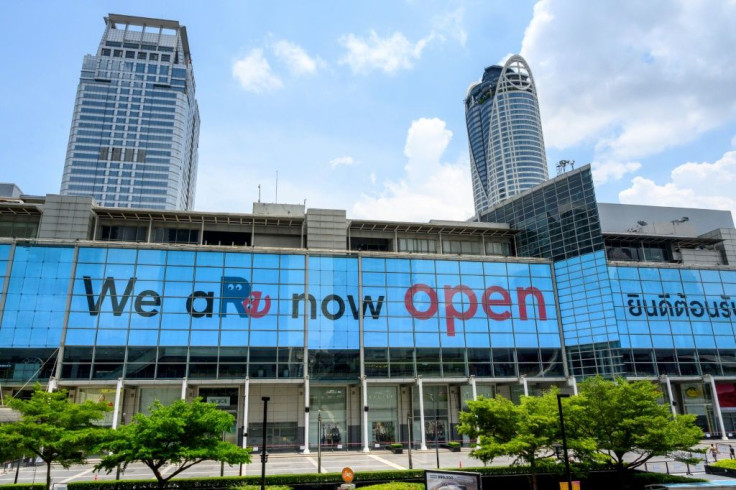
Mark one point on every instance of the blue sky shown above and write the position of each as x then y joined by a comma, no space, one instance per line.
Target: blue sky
359,105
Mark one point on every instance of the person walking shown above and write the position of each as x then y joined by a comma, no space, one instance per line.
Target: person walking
731,452
714,452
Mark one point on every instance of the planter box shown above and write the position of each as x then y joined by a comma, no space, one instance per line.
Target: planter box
715,470
396,450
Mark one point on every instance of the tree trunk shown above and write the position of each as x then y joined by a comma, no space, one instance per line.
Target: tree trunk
48,475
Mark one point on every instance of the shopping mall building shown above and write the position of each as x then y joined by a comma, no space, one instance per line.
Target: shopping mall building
370,325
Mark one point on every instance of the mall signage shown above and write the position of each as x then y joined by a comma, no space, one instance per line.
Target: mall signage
236,296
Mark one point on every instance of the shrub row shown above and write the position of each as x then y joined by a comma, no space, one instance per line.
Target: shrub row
232,482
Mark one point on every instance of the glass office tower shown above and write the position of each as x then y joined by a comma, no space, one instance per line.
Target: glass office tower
135,129
505,134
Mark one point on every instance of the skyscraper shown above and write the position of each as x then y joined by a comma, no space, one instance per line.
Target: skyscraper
135,129
505,134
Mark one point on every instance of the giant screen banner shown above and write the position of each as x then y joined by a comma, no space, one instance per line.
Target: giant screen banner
127,296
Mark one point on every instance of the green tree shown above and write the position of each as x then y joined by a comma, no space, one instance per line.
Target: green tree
624,417
526,431
180,434
54,428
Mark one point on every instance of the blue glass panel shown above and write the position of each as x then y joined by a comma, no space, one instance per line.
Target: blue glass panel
539,271
689,275
203,338
265,276
80,337
93,255
152,257
288,276
455,341
713,289
725,342
398,265
451,267
92,270
210,259
238,260
649,274
397,279
121,256
640,341
502,340
112,337
495,269
478,340
291,338
705,342
174,338
662,341
180,257
143,337
422,266
174,273
626,273
728,277
472,268
234,338
427,339
292,262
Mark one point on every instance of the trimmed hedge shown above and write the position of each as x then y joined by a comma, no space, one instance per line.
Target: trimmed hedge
729,464
394,485
362,479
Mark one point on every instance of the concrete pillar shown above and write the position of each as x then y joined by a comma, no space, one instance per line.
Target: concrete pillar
668,386
306,415
422,429
364,385
523,382
473,387
716,405
246,394
116,409
574,383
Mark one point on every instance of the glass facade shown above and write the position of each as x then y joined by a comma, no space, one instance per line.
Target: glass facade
135,128
588,322
146,313
557,220
505,134
675,321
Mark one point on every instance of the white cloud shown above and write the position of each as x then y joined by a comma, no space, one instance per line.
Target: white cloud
344,161
451,23
605,171
296,58
430,188
699,185
633,78
254,73
388,54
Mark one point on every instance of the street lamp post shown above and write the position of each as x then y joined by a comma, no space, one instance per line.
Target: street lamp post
560,396
319,441
264,453
436,440
409,422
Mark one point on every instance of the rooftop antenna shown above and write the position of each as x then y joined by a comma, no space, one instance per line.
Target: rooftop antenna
259,193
